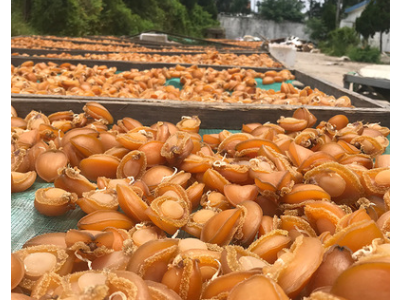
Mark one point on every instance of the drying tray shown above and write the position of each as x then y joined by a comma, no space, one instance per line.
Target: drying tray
135,41
27,222
46,51
122,65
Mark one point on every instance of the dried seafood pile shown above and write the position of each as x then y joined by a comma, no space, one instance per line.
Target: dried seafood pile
249,44
289,210
234,85
209,58
67,43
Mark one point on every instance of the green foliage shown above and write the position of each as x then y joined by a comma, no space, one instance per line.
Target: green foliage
90,11
322,17
49,16
19,26
114,17
210,7
339,41
70,17
176,17
367,54
118,19
316,29
374,18
189,3
240,6
148,10
200,20
223,5
314,10
233,6
280,10
328,14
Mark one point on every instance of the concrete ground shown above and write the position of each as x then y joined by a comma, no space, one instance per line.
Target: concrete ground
332,68
329,68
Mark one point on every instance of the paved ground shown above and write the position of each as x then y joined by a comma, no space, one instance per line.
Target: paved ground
326,67
332,69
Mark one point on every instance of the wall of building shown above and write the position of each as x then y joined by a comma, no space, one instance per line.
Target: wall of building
350,20
253,5
237,27
385,41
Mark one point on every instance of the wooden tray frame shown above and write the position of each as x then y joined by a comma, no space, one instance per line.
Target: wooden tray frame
213,115
83,52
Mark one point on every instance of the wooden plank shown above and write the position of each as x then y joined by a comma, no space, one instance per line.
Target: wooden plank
83,52
337,91
124,43
200,41
359,101
221,115
149,44
135,41
59,51
125,65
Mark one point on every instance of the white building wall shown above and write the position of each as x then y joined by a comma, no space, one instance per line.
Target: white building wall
351,17
253,6
237,27
374,42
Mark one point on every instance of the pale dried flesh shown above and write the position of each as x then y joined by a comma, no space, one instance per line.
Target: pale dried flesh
252,215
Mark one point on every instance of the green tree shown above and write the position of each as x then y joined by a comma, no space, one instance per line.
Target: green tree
185,17
68,17
233,6
21,8
329,9
189,3
90,11
148,10
200,20
52,16
328,14
340,40
223,5
111,17
375,18
316,29
118,19
280,10
322,20
314,9
240,6
171,16
210,7
19,26
322,17
19,17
